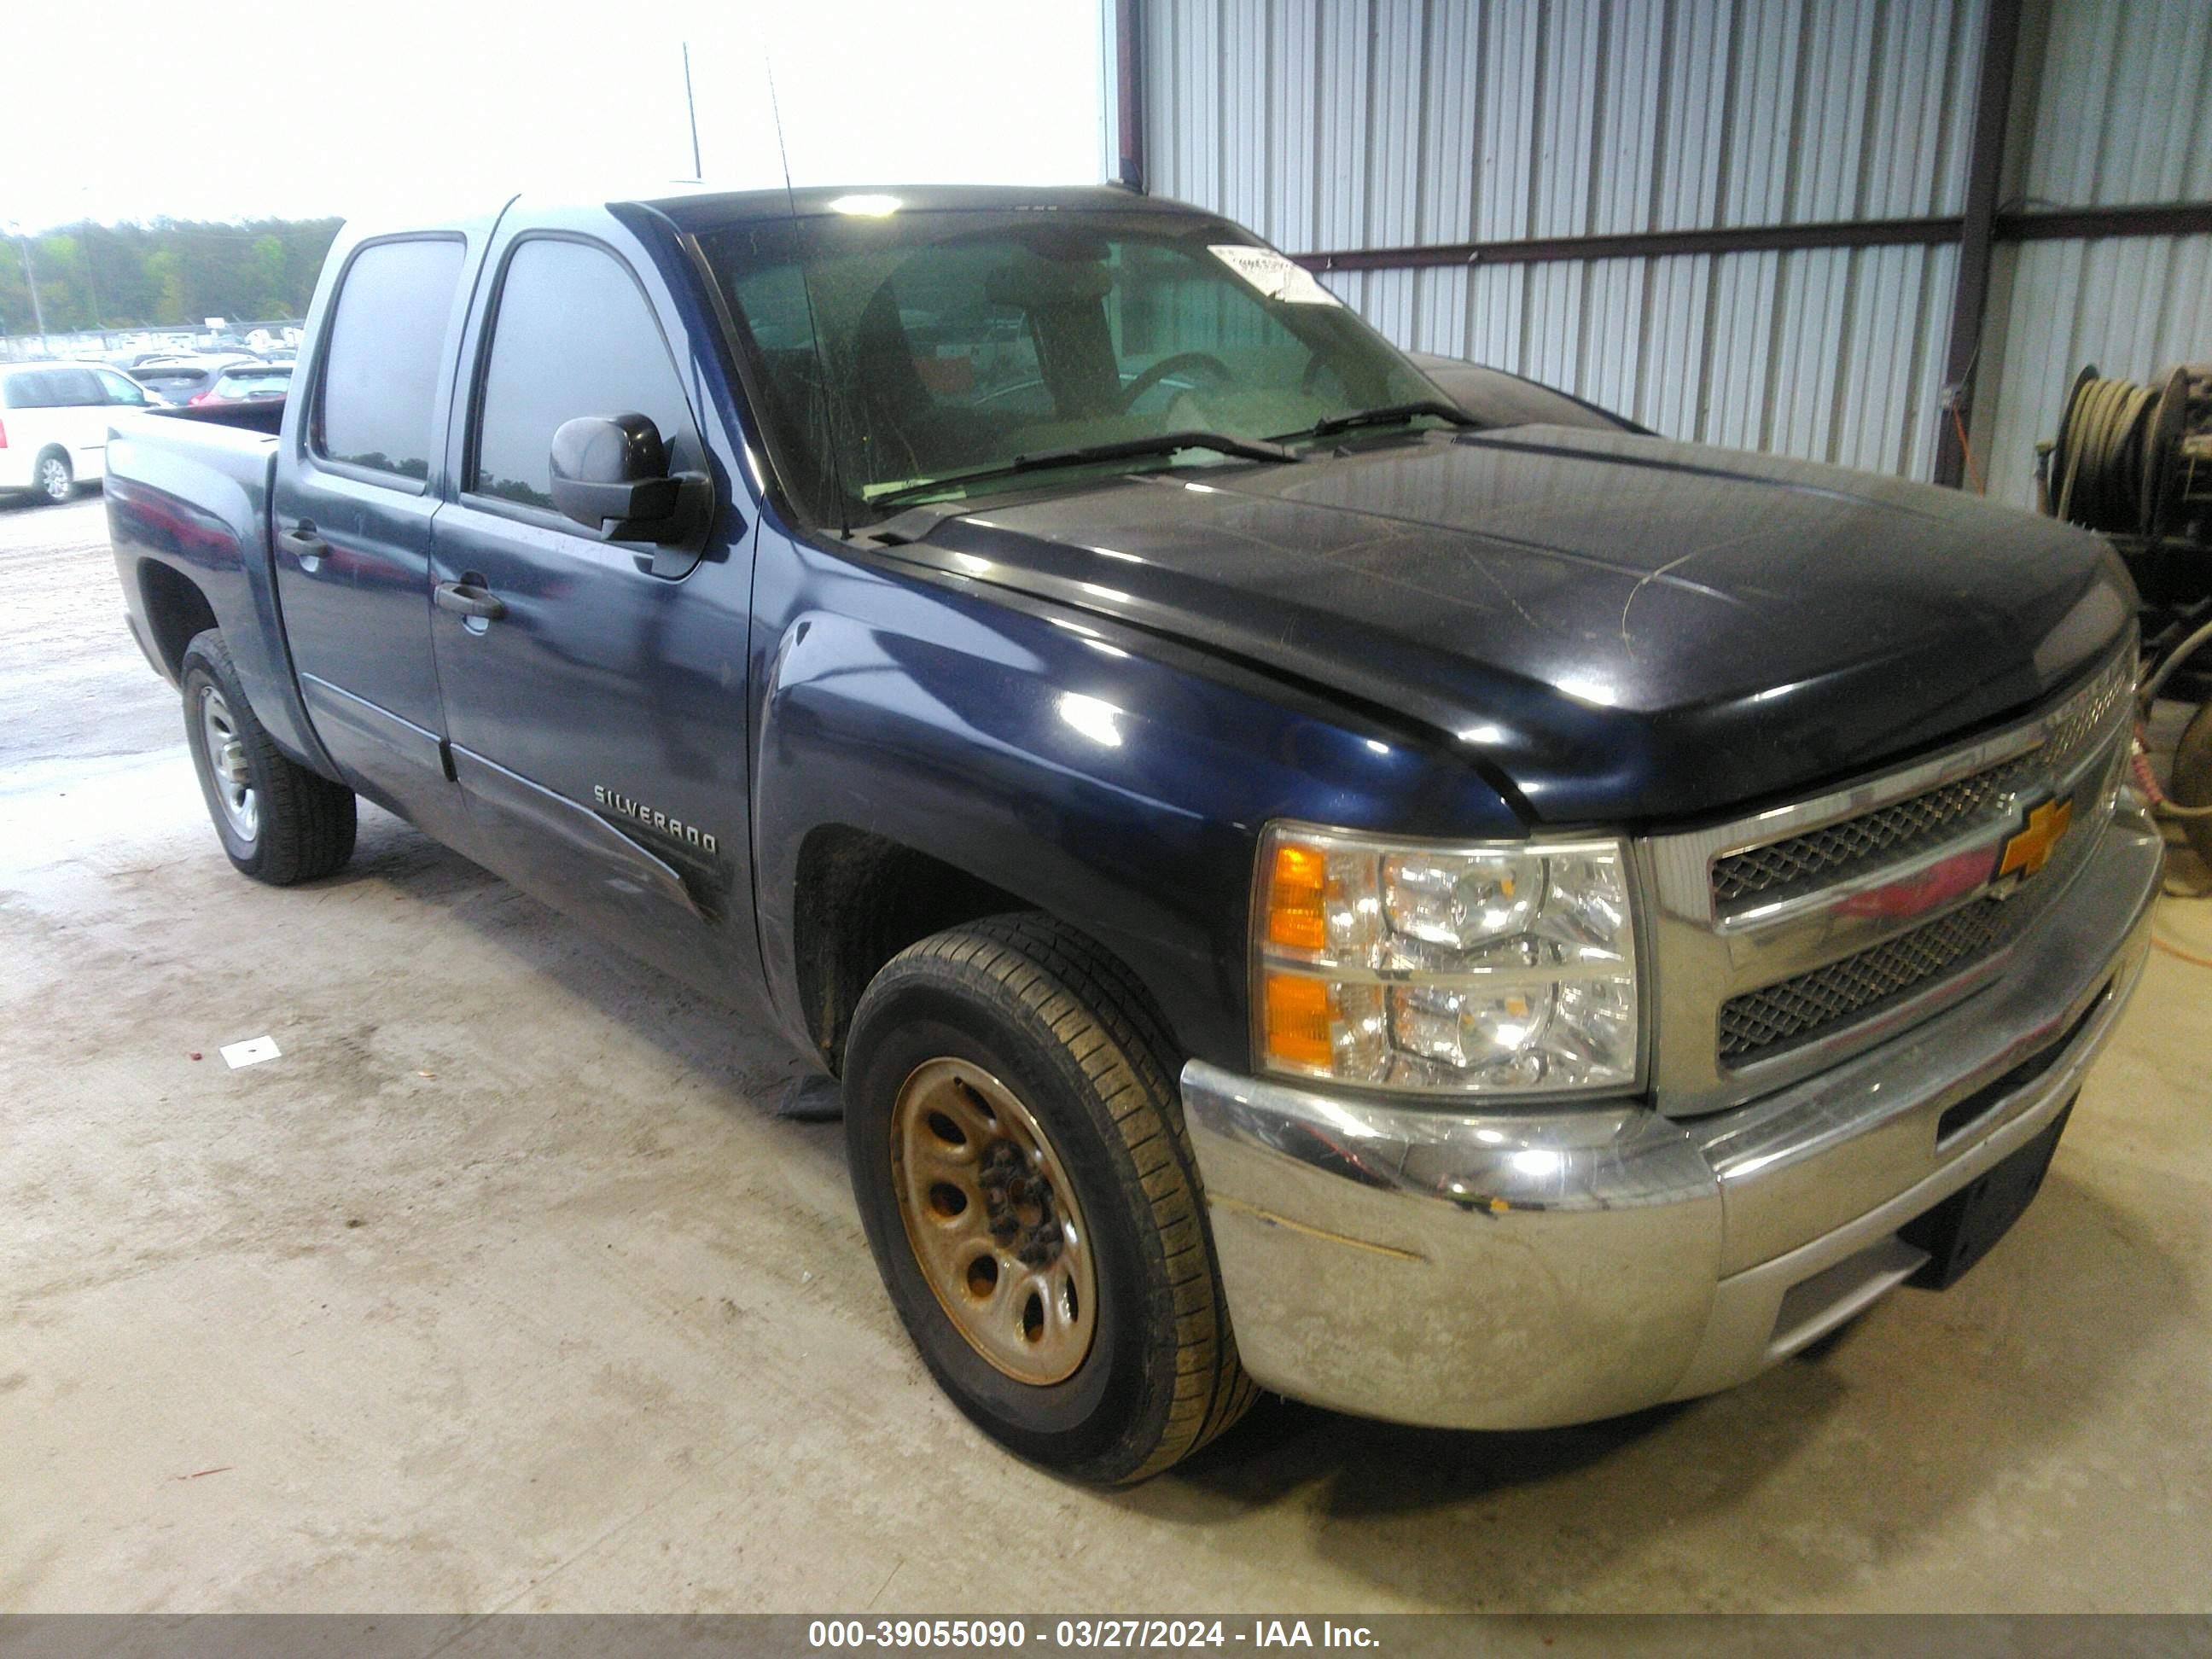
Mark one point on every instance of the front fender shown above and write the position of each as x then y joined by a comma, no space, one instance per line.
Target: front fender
1113,780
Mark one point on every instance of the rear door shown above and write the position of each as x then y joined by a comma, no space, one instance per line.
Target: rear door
598,724
355,494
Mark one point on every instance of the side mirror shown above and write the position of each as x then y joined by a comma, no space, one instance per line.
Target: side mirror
609,473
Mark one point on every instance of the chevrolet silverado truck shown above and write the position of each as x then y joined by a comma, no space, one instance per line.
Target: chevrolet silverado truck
1312,871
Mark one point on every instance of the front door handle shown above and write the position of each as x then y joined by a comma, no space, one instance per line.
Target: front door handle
303,543
467,599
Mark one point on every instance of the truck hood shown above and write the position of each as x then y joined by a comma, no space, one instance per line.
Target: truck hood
1619,629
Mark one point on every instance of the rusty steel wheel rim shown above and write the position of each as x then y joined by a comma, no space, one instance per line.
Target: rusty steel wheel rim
993,1221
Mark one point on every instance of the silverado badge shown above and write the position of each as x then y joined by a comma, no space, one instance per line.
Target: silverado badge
2028,851
629,806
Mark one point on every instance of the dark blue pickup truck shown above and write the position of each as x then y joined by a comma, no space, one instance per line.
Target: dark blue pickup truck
1522,918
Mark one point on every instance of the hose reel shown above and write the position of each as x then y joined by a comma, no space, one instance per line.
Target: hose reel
2133,460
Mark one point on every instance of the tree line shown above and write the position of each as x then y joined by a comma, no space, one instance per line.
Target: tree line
170,271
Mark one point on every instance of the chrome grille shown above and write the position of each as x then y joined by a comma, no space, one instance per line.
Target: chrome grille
2078,724
1821,857
1802,934
1774,1016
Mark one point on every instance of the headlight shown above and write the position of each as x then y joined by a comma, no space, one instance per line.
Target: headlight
1481,968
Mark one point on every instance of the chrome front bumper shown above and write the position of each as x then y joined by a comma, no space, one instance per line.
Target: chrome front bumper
1524,1269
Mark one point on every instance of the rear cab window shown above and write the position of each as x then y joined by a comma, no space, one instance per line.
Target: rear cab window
381,361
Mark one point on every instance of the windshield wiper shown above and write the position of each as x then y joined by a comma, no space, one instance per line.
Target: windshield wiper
1165,443
1389,414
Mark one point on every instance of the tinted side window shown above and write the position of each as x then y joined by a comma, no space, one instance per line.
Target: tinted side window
54,388
118,389
74,388
572,336
387,342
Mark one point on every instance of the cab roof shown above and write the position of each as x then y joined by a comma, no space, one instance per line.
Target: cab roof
703,207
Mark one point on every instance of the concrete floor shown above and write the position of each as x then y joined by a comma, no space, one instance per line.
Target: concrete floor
506,1288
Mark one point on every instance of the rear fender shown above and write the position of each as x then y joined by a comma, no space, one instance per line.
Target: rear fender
195,513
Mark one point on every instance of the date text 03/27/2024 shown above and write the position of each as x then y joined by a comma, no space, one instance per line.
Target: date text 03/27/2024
999,1634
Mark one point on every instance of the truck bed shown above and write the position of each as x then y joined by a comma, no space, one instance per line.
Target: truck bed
188,496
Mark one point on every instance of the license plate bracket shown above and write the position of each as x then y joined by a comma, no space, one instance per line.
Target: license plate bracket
1960,1230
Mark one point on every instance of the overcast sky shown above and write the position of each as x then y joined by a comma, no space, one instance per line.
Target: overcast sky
380,108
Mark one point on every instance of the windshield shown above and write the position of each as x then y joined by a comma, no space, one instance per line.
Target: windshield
924,346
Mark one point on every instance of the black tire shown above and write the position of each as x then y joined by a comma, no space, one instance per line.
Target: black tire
303,824
1068,1030
53,478
2191,778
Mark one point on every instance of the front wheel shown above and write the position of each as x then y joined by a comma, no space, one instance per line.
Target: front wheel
279,823
1017,1151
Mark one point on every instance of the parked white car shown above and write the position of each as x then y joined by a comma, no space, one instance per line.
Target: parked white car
54,424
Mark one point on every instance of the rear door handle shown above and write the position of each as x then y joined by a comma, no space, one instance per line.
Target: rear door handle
467,599
302,542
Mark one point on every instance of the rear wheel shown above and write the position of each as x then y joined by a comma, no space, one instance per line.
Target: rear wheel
53,479
1017,1151
278,822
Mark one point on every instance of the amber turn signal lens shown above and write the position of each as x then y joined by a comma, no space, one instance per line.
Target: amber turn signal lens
1298,1020
1297,890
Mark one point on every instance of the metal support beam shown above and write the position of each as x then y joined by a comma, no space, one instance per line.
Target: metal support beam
2144,219
1641,244
1970,294
1129,93
2148,219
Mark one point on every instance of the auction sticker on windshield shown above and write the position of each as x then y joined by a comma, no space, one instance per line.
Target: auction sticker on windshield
1276,276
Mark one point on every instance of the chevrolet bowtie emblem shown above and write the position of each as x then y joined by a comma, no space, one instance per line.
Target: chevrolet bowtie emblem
2031,850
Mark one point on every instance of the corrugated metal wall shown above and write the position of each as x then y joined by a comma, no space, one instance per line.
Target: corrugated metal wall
1340,124
1359,123
2123,114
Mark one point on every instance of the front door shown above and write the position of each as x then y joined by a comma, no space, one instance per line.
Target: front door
598,719
353,510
